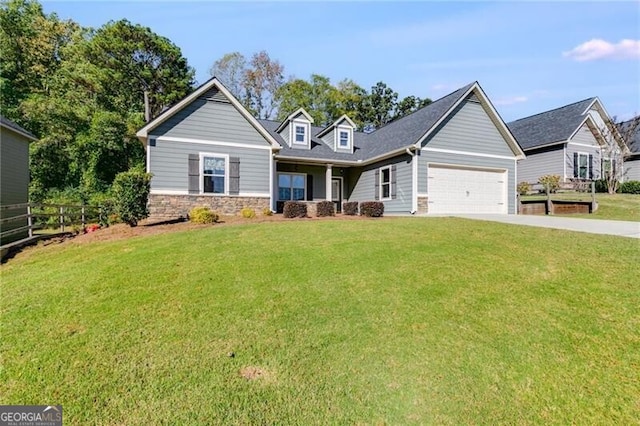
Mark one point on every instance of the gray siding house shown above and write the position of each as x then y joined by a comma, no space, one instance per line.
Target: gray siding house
455,155
631,130
573,141
14,175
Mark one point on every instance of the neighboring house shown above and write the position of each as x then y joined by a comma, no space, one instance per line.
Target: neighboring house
14,175
572,141
632,161
455,155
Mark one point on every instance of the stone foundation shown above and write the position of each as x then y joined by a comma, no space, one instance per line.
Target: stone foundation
423,205
166,207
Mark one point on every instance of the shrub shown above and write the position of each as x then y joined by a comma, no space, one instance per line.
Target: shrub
371,208
350,208
524,188
550,181
602,185
203,215
267,212
130,191
294,209
326,208
248,213
630,187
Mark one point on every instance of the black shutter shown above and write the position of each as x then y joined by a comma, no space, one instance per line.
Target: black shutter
590,166
377,184
393,181
575,165
234,175
309,187
194,173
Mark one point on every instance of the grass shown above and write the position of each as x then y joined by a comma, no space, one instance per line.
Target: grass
610,206
396,321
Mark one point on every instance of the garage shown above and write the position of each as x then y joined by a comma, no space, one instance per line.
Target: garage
455,189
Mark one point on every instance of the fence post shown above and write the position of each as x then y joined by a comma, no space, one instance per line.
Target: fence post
593,196
61,210
83,218
548,199
29,220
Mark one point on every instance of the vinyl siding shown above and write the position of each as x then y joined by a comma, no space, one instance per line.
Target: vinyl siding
208,118
469,161
14,177
632,169
361,184
470,129
540,162
329,139
584,137
169,165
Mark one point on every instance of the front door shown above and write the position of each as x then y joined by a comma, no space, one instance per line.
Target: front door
336,193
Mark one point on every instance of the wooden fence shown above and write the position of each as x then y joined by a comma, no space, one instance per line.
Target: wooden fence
567,198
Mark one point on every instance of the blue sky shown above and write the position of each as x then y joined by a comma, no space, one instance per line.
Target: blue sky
528,56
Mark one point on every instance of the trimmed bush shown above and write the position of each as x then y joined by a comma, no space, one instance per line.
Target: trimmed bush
325,208
552,181
130,191
601,185
293,209
203,215
248,213
371,208
524,188
350,208
630,187
267,212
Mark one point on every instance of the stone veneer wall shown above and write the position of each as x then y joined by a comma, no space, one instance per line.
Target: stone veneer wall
423,204
164,207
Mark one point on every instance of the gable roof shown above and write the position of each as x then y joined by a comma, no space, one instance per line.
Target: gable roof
8,124
143,133
633,140
335,124
549,127
292,116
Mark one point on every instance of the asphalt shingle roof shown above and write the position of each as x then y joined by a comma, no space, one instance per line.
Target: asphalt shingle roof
633,140
10,124
393,136
548,127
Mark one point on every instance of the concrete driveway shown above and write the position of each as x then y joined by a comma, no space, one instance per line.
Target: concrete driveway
592,226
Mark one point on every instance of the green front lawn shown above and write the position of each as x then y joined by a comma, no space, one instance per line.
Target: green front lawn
390,321
610,206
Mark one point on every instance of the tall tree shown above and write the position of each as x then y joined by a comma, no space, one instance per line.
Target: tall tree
379,105
408,105
618,138
262,80
230,70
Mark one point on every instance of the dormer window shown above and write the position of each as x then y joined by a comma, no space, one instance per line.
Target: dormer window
344,139
301,135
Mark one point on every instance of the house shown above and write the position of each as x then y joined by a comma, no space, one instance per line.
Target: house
455,155
573,141
14,177
631,131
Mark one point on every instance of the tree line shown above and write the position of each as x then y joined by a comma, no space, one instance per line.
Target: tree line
85,92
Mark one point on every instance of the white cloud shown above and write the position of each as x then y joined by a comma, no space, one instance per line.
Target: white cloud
601,49
511,100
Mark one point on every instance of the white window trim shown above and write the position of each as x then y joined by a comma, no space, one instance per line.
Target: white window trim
226,172
349,132
304,175
586,154
307,130
380,184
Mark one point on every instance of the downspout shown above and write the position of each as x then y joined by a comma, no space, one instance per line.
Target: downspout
414,181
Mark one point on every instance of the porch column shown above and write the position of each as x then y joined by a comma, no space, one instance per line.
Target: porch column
274,183
329,173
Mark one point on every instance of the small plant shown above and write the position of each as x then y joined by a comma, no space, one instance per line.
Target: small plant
267,212
203,215
630,187
130,194
350,208
248,213
552,182
601,185
93,227
524,188
371,208
326,208
294,209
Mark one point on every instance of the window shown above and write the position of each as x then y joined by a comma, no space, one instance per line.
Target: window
583,166
291,186
214,174
385,183
344,139
606,167
300,136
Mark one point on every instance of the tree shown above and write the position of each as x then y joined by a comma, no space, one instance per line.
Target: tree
408,105
130,195
379,105
230,70
618,138
350,98
262,80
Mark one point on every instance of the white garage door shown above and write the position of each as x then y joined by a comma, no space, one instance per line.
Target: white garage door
465,190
